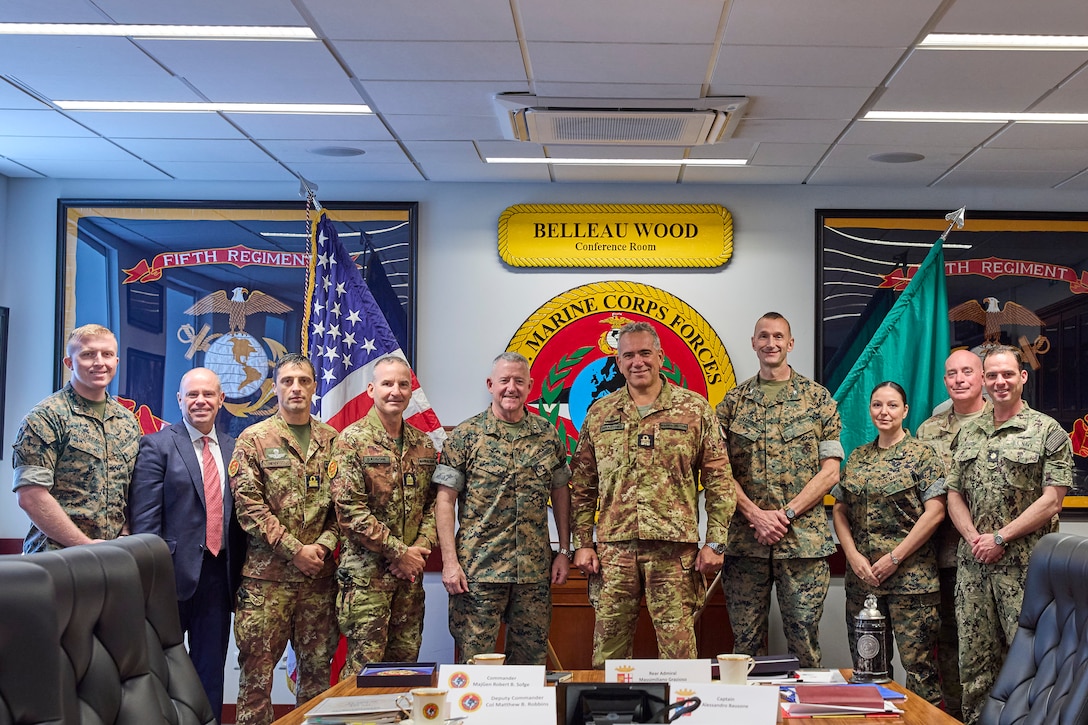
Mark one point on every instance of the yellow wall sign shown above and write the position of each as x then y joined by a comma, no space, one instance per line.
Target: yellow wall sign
616,235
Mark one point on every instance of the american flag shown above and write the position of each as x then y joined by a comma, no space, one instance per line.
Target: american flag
344,333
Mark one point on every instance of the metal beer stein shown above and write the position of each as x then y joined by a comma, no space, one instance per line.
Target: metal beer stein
870,628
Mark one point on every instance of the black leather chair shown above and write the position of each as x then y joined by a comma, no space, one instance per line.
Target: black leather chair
29,646
1045,677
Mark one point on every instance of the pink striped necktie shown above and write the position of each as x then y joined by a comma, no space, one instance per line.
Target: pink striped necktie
213,499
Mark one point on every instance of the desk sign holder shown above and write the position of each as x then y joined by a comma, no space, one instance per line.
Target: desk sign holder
728,703
521,677
502,705
657,671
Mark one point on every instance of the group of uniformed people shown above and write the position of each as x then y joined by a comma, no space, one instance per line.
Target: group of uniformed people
625,510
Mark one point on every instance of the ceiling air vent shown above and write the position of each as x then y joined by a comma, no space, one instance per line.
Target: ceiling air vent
648,122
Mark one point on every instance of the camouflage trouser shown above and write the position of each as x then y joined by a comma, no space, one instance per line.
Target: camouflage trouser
914,621
948,646
525,609
380,626
988,599
269,614
801,585
662,570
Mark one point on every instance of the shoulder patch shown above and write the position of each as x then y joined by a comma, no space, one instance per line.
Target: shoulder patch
232,469
331,470
1055,440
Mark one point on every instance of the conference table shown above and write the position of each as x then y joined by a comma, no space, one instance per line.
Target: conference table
916,711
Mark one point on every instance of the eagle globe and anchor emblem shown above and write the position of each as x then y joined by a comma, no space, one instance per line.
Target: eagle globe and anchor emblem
237,357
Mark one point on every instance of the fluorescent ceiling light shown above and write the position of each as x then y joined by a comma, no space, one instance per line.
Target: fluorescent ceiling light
974,117
954,41
341,109
206,32
615,162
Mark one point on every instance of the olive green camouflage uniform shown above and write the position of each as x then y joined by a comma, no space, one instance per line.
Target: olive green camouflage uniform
85,461
504,474
939,431
282,499
384,503
776,447
1000,471
884,492
641,474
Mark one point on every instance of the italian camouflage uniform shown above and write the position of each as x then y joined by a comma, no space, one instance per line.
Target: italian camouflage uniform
504,474
938,431
282,498
776,447
384,503
85,461
1000,471
884,491
641,473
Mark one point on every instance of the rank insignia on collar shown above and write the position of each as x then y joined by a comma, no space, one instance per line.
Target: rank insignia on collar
645,440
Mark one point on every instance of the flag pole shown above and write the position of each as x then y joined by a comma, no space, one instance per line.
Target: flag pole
955,219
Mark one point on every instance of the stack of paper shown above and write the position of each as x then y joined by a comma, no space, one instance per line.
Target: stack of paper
377,709
814,700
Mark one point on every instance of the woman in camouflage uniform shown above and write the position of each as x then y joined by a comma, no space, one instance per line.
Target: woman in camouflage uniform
888,504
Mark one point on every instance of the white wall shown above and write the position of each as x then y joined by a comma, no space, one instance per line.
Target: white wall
469,302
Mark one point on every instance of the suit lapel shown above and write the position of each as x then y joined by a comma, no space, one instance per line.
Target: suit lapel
188,454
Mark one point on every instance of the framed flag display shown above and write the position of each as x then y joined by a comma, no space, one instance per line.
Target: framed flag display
216,284
1017,278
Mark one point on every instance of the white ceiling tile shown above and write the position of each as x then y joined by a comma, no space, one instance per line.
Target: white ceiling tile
15,98
790,131
788,154
17,171
514,149
433,61
39,124
1041,136
1069,97
487,172
1066,161
768,65
156,125
302,151
202,12
75,168
444,128
956,80
885,175
156,150
619,63
574,89
880,23
446,98
631,174
857,156
797,103
733,148
414,19
1002,179
362,171
302,72
218,171
23,148
54,11
261,126
1013,16
30,57
905,135
620,21
444,152
745,175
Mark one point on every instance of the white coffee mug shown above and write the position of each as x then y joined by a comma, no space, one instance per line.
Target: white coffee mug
734,669
428,705
487,659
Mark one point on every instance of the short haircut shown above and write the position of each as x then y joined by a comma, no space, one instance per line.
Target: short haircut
894,386
392,360
1004,350
772,315
511,357
84,331
293,358
632,328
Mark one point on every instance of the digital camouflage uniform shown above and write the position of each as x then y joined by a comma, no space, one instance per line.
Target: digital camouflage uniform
384,503
939,431
775,447
282,499
503,474
85,461
641,473
885,491
1000,471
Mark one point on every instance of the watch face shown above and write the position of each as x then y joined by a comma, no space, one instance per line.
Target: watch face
790,514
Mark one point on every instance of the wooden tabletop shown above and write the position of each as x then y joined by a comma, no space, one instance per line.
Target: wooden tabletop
916,711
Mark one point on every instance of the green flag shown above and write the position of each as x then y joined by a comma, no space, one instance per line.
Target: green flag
909,347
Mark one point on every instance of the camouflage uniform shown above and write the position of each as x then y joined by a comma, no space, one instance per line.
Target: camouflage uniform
1000,471
640,472
85,461
884,492
776,447
939,431
384,504
282,499
503,474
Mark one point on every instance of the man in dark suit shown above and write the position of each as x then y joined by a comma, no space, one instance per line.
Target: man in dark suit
179,492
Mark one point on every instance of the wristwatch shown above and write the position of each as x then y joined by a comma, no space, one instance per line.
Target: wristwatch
567,553
790,514
999,539
716,548
895,559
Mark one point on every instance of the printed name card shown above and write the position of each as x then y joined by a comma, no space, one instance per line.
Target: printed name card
728,703
657,671
502,705
458,677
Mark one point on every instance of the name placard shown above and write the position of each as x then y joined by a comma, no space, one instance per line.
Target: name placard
501,705
616,235
459,677
728,703
657,671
